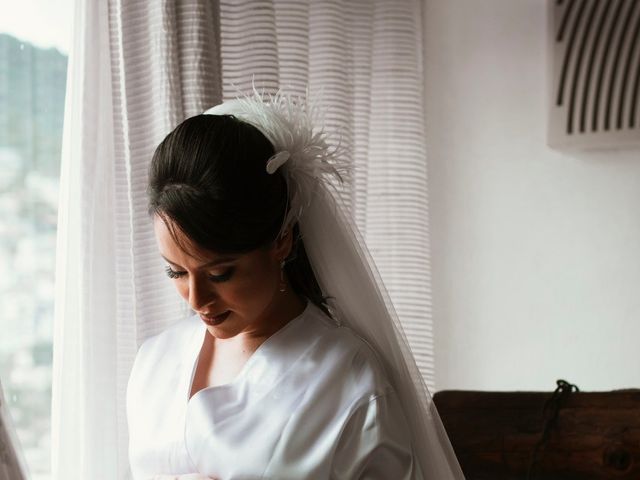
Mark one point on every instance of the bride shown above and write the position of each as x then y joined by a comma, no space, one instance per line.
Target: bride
293,365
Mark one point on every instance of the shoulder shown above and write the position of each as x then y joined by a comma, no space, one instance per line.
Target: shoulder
167,347
348,358
176,335
162,355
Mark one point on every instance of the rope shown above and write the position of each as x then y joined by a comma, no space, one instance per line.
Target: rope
550,412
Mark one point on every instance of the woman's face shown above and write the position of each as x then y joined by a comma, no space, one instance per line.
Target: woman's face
246,285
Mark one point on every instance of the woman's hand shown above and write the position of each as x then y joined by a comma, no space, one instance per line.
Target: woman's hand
189,476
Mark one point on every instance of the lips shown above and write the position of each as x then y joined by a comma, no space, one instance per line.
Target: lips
212,319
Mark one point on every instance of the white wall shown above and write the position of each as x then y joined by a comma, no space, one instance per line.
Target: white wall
536,253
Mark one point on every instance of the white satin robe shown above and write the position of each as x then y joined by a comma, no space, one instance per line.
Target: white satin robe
312,402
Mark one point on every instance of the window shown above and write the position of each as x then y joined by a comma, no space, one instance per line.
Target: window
33,64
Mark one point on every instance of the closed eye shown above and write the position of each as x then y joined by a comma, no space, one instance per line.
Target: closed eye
222,278
171,273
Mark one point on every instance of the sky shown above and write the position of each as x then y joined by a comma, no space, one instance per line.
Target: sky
45,23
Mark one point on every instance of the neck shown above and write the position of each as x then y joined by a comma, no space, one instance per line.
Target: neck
289,307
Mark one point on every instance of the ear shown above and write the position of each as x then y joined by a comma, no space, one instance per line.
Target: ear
283,244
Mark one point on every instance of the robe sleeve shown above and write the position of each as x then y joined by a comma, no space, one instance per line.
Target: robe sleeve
375,443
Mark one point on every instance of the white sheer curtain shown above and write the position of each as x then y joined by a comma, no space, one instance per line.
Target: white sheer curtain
136,70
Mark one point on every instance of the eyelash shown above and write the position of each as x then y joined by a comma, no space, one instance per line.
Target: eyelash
214,278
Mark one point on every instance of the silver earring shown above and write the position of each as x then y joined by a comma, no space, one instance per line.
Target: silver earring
283,285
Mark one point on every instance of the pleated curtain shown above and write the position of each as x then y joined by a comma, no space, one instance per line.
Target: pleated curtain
136,70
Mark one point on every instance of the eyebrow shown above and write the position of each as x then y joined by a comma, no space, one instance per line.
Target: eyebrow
213,263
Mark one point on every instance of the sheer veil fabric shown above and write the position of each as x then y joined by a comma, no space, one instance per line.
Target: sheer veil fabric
341,261
346,272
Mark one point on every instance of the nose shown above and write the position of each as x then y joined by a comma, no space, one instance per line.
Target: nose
200,292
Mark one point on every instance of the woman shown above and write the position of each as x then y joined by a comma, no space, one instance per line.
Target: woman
271,378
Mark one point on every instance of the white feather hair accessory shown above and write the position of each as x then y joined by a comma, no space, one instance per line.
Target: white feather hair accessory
302,150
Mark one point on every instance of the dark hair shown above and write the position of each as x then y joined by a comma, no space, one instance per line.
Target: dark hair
208,177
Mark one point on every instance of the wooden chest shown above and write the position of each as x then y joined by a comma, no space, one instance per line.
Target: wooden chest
534,435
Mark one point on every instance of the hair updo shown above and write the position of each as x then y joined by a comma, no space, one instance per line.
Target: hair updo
209,178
